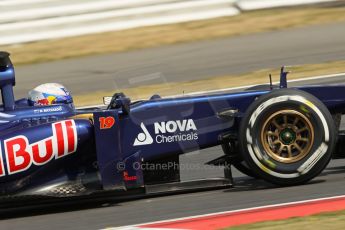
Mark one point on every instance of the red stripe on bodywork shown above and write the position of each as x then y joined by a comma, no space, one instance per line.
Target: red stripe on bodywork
48,153
60,140
19,152
70,135
35,152
49,146
2,171
236,218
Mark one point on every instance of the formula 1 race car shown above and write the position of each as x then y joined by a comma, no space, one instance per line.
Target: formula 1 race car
284,136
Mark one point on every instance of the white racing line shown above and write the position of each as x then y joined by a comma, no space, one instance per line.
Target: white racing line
258,208
236,88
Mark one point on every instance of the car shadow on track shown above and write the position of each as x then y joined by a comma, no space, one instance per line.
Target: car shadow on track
240,184
52,209
333,170
247,184
250,184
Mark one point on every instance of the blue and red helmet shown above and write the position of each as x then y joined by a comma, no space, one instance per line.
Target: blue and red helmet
50,94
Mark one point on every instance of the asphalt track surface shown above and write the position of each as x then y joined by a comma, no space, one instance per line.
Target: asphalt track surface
245,56
191,61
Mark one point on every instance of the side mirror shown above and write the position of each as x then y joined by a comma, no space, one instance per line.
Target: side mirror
107,100
119,100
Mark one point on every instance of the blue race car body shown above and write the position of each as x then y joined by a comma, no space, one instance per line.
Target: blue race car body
57,151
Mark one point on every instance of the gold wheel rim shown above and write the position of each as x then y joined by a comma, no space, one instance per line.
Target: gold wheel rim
287,136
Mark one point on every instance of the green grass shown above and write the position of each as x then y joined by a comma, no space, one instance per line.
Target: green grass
324,221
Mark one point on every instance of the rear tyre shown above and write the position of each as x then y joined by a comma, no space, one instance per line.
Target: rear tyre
287,137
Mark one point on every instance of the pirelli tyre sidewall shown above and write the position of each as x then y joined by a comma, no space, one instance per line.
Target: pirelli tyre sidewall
318,152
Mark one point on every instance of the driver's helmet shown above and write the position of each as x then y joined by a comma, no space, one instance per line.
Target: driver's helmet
50,94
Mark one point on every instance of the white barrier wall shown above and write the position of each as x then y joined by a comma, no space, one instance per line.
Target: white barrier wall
245,5
49,20
23,21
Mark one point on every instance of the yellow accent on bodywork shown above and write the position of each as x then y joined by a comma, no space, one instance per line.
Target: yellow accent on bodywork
86,116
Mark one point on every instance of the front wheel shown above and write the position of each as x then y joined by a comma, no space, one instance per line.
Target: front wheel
287,137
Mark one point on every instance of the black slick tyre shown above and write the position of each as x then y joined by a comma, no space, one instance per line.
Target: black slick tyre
287,137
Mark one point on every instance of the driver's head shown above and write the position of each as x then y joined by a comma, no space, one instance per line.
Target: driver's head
50,94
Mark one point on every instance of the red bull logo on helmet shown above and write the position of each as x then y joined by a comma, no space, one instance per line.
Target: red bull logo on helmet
50,100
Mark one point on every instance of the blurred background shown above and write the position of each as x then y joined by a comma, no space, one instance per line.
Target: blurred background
170,47
173,47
